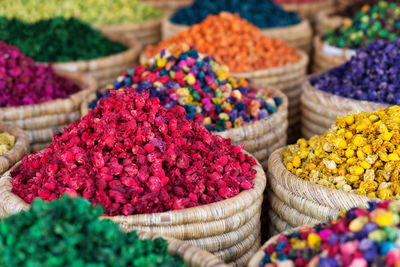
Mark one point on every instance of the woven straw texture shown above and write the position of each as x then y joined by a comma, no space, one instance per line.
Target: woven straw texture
323,62
147,32
288,79
325,20
297,202
260,138
43,120
215,227
320,109
298,36
21,146
191,255
168,6
105,69
308,10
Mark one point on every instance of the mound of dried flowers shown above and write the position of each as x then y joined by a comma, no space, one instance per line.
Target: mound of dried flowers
133,156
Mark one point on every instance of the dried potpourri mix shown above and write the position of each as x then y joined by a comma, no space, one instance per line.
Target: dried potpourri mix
182,76
234,42
262,13
371,75
359,154
359,238
98,12
68,232
378,21
7,141
133,156
57,39
23,82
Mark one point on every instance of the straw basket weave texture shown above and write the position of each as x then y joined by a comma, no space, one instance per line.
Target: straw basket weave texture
322,61
147,32
260,138
227,228
298,36
43,120
168,6
320,109
105,69
326,20
296,201
308,10
288,79
192,256
20,148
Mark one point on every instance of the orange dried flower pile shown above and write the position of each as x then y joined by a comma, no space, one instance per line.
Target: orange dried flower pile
234,42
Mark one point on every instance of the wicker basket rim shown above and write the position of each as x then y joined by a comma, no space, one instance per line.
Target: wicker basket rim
278,70
275,163
130,26
226,207
335,98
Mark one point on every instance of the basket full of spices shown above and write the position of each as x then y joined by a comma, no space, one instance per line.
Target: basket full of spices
366,82
127,19
266,62
371,22
359,237
37,98
276,23
153,170
71,45
226,106
353,163
72,225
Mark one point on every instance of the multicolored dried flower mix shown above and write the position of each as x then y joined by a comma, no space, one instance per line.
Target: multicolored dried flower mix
22,82
360,154
7,141
68,232
133,156
182,76
360,238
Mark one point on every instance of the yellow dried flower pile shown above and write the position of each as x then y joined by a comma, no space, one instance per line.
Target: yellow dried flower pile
359,154
6,142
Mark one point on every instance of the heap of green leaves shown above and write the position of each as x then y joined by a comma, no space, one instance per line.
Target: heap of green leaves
57,39
68,232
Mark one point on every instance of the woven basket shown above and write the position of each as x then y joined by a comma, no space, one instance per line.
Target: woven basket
168,6
192,256
20,148
288,79
298,36
320,109
323,62
296,201
260,138
217,227
105,69
308,10
43,120
325,20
